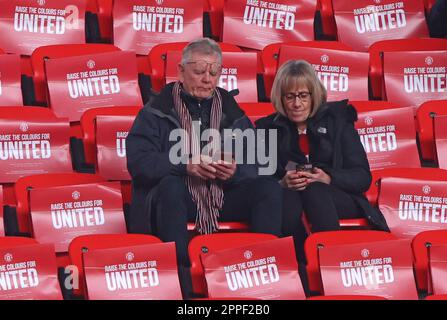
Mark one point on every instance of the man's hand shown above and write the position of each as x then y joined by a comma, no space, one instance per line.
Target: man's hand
317,175
224,170
201,167
294,180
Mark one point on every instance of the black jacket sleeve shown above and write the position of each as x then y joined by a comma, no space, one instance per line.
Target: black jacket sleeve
437,19
147,157
354,175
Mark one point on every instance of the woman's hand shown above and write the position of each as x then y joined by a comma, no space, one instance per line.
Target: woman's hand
294,180
317,175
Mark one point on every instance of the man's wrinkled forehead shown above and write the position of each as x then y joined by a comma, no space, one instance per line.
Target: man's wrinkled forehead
200,56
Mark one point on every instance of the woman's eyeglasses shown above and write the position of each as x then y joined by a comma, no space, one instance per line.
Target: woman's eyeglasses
304,96
201,66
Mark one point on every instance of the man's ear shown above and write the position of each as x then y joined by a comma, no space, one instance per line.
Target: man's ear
180,71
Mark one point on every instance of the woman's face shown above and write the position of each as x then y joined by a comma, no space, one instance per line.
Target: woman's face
297,103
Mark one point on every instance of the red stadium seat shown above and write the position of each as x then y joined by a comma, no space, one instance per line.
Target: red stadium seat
215,9
58,51
365,106
437,297
345,224
11,83
23,113
224,226
212,243
157,60
327,19
411,173
421,243
7,242
270,57
102,241
88,125
257,110
328,238
347,297
376,57
425,126
23,185
381,114
26,113
104,8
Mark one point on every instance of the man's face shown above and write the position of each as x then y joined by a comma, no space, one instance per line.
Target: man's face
200,74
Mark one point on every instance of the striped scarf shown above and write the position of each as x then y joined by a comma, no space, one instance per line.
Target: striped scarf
209,201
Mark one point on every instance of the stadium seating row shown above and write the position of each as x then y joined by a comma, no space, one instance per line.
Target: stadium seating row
70,136
407,72
383,271
127,23
39,142
392,191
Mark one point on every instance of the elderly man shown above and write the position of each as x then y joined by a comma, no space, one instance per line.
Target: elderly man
167,193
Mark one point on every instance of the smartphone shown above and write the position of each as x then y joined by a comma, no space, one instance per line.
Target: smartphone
304,167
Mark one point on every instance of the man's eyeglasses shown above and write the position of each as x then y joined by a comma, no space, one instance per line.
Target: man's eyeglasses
304,96
201,66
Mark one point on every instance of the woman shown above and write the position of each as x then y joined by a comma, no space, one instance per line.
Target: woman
321,136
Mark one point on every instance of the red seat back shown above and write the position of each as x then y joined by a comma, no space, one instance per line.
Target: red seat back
105,19
376,57
23,185
411,173
257,110
270,57
425,126
102,241
216,10
421,243
6,242
328,19
88,127
26,113
58,51
215,242
328,238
